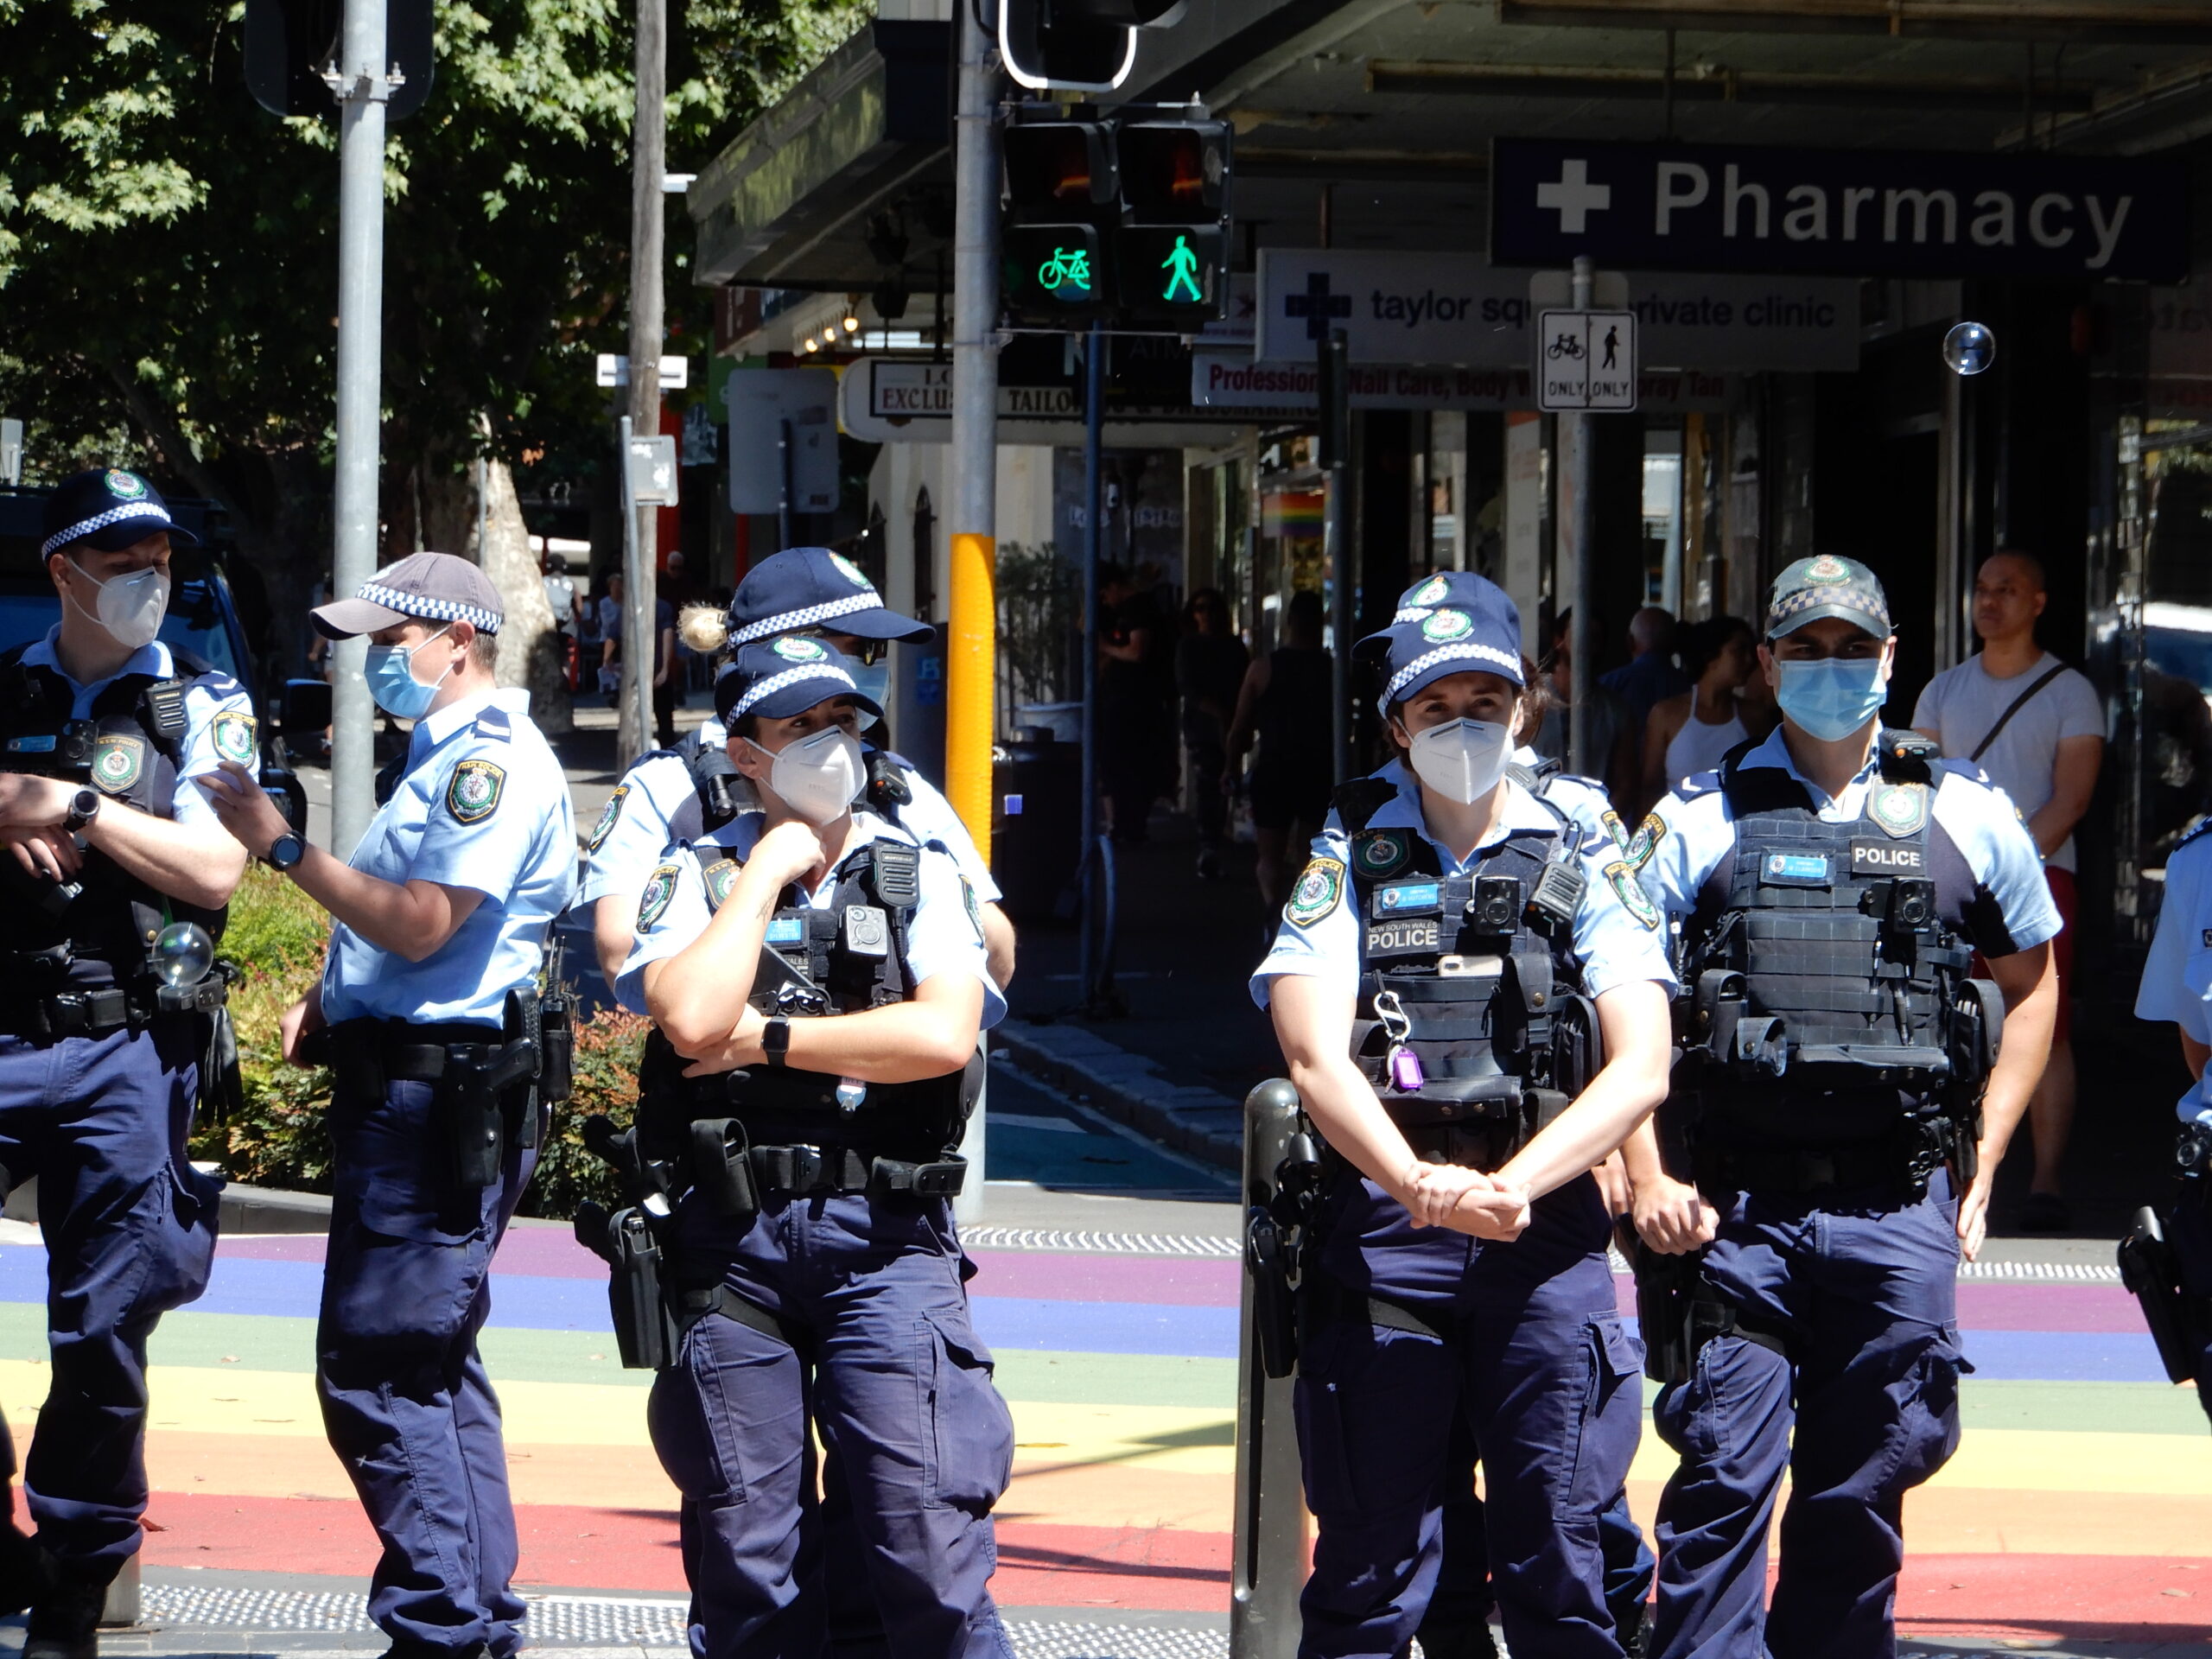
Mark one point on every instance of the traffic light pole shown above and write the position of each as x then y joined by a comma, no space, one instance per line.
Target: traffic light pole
1335,540
1575,470
971,639
648,135
362,87
1087,872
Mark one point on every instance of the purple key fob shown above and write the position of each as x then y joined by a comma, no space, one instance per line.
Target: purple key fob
1406,1075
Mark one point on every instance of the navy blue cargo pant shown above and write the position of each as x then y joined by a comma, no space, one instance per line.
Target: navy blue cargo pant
130,1234
902,1386
1861,1292
1547,1374
405,1399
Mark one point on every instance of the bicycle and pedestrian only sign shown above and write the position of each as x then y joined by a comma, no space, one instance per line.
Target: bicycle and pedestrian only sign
1585,360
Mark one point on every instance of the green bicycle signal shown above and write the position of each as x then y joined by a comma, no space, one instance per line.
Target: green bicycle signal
1184,265
1069,266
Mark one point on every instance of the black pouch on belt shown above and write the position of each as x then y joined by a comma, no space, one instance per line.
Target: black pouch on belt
523,1022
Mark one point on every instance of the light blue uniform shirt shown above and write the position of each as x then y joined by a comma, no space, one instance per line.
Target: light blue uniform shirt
1695,831
1611,946
483,805
943,937
1580,798
2178,974
215,707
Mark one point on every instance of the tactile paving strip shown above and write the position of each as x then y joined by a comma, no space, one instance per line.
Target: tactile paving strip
1040,1238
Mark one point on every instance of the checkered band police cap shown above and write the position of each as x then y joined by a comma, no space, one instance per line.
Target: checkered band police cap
110,509
1826,585
422,587
805,587
775,679
1452,623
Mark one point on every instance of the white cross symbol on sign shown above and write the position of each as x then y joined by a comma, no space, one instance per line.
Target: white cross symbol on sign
1575,198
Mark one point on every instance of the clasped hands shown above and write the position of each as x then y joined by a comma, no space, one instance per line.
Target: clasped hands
32,811
1465,1200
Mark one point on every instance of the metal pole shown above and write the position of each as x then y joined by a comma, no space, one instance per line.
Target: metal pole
362,84
971,634
1581,518
1336,541
1267,1563
633,733
1094,432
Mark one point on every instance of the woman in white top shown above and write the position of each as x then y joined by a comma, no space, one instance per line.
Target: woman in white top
1690,733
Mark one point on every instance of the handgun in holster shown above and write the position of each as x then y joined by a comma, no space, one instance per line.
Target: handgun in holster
1666,1288
646,1334
2151,1270
472,1101
1274,1238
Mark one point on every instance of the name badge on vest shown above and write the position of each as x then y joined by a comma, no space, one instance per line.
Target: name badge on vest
39,743
1410,899
1794,870
1870,857
1415,934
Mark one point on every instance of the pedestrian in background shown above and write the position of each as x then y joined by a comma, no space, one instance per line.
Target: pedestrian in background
1284,703
1690,732
1611,754
1210,665
1136,731
1650,676
428,996
2037,729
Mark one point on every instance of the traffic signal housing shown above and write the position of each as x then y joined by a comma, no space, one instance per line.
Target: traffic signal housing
1060,203
1172,246
1079,46
288,43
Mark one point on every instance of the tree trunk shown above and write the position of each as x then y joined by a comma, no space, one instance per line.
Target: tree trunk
529,651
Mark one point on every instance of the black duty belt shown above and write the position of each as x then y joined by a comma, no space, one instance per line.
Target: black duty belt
798,1172
47,1016
1483,1146
1801,1169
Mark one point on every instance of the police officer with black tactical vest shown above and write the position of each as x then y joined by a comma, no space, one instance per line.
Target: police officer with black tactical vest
115,874
1841,1106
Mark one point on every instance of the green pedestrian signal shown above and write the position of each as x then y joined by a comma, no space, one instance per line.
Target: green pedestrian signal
1069,266
1184,265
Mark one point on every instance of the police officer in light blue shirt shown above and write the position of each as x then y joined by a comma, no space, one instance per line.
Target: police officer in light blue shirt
1446,961
1832,1131
427,1010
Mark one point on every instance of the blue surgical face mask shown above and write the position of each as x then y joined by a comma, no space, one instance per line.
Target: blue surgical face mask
874,680
1832,696
393,682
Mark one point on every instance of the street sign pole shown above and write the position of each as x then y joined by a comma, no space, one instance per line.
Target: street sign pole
1575,477
1093,433
1335,388
362,83
633,730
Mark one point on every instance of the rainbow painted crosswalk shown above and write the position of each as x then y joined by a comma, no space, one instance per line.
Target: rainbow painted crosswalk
2079,1505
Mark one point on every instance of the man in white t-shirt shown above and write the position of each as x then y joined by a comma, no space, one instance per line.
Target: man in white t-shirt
2044,755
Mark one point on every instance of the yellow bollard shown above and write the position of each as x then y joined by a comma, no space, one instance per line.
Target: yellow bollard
970,672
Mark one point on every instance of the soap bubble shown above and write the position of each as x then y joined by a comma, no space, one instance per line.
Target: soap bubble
1969,348
183,953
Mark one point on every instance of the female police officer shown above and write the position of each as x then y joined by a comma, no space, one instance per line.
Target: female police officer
817,1228
1426,988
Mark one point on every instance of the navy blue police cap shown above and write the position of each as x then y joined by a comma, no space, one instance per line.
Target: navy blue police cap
110,509
1453,623
812,588
778,678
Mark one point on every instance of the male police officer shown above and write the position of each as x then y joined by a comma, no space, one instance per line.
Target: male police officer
427,1009
1832,881
660,800
105,846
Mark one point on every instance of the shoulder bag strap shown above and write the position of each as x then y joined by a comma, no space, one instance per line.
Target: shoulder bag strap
2018,702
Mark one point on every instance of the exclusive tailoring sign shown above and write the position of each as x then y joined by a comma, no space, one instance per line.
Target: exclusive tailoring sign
1860,212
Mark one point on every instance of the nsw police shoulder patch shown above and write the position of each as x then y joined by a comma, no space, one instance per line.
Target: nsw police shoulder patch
234,734
1634,900
1379,854
607,818
474,791
975,909
1899,809
1320,889
1645,841
659,891
118,758
719,877
1614,828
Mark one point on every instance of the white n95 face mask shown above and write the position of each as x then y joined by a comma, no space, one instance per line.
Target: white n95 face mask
817,775
129,608
1462,759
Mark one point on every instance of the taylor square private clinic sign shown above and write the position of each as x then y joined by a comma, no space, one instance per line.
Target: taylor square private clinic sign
1856,213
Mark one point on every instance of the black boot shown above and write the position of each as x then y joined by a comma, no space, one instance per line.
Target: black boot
64,1622
1631,1622
26,1571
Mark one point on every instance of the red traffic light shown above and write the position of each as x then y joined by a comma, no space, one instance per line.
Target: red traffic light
1173,170
1066,165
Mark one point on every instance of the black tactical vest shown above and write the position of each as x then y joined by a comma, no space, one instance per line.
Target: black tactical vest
1474,975
1821,970
843,959
128,748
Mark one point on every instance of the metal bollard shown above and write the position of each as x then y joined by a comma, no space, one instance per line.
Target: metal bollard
123,1610
1269,1568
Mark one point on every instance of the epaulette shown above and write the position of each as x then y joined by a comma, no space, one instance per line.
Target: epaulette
1906,757
494,722
1697,783
1360,799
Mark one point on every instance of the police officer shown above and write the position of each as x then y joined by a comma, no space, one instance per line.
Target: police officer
102,727
427,1008
1832,881
807,590
817,1117
1432,987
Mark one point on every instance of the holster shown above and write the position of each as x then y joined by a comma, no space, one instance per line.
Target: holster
645,1333
1678,1313
472,1103
2151,1272
556,1044
1276,1236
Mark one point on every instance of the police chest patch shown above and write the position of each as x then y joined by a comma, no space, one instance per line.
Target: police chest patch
719,877
1320,889
1398,938
1899,809
1870,856
1380,853
234,737
117,760
473,792
607,818
659,889
1645,841
1630,891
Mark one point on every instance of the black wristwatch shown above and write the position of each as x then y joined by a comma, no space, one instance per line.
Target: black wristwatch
285,852
776,1038
84,807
